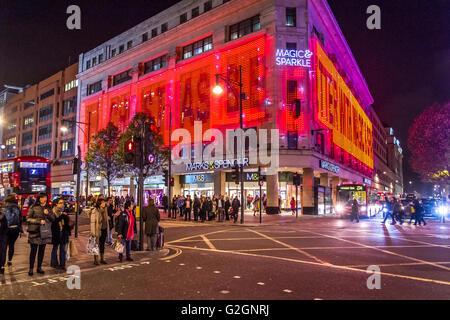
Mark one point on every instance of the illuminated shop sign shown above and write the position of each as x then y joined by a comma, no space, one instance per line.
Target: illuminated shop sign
298,58
328,166
38,188
367,181
352,187
339,110
248,177
198,178
218,164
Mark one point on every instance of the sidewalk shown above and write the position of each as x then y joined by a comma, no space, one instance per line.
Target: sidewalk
18,272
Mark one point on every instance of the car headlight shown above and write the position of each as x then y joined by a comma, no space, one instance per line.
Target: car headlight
442,210
339,208
363,208
385,209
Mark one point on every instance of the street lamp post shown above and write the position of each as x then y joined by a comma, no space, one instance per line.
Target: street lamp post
218,90
64,129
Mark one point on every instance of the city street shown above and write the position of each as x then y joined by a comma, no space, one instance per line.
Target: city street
284,258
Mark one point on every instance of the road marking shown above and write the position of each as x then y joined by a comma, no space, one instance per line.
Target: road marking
386,251
182,264
197,235
198,268
237,277
395,264
225,292
260,283
208,242
322,265
287,291
216,271
327,248
176,254
289,246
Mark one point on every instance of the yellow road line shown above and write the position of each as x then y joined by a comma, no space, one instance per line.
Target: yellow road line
208,242
394,264
329,248
322,265
289,246
384,251
176,254
197,235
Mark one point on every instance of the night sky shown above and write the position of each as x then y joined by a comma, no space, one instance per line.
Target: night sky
406,63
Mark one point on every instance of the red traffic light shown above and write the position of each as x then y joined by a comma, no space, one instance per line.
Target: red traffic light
130,146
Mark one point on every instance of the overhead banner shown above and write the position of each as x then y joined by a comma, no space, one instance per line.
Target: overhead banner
339,110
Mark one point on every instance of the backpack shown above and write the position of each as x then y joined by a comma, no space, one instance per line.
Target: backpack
12,215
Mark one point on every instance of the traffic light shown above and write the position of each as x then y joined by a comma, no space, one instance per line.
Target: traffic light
172,181
298,108
149,135
296,179
165,176
130,152
75,165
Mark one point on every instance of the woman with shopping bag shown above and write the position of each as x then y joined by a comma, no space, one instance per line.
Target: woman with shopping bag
99,229
39,220
126,228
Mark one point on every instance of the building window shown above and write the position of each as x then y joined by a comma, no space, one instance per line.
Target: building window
70,106
129,45
46,113
195,12
72,84
27,138
225,1
45,150
164,27
29,104
292,140
100,58
88,64
26,152
11,126
197,47
183,18
12,110
11,141
291,92
154,32
145,37
45,132
245,27
94,61
121,49
10,155
67,148
93,88
291,17
28,121
113,52
121,78
291,46
207,6
47,94
155,64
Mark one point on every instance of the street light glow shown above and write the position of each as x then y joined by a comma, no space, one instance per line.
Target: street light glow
64,129
217,90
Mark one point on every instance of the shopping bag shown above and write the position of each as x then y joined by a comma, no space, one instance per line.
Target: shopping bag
92,247
46,232
73,249
117,246
67,252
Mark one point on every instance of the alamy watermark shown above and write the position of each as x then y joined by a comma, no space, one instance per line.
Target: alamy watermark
374,21
236,148
74,280
74,20
374,281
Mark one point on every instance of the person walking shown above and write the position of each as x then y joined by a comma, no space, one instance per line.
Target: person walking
10,229
188,208
355,211
220,208
174,207
38,215
397,209
227,208
389,212
111,214
100,228
255,205
204,209
151,217
196,207
126,228
293,205
419,213
209,208
165,202
180,205
236,204
60,235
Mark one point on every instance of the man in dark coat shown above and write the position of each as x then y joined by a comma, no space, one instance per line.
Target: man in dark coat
227,208
151,217
196,206
355,211
419,213
125,228
60,235
236,204
165,203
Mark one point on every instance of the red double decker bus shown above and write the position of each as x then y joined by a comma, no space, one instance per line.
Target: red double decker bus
25,176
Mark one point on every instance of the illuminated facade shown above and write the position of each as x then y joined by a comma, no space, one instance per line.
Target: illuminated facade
289,64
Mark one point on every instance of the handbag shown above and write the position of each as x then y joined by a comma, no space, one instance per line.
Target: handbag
46,231
117,246
92,247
